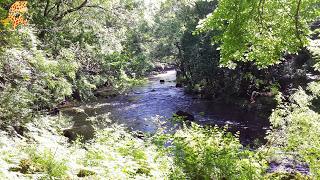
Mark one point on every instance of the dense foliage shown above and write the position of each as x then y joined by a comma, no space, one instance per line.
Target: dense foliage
194,153
260,31
259,53
201,153
199,61
64,54
295,127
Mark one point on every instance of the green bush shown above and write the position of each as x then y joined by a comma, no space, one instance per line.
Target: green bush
30,81
33,79
295,128
15,106
211,153
116,154
45,162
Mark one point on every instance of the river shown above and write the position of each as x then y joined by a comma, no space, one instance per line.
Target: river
144,106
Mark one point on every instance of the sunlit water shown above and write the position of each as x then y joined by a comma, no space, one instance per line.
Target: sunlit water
143,106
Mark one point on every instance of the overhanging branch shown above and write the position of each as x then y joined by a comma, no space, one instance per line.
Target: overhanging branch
62,15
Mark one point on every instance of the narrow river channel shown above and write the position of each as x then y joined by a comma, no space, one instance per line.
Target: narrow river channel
142,107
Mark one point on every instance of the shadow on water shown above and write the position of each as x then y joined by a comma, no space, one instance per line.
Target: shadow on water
143,106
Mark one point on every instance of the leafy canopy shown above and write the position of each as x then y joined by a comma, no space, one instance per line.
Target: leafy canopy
260,30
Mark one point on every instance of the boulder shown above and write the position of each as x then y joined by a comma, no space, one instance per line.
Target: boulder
178,85
86,131
19,129
53,112
105,92
138,134
159,67
16,130
162,81
186,116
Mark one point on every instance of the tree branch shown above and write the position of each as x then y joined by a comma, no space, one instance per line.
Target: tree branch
57,4
62,15
297,17
45,13
261,11
95,6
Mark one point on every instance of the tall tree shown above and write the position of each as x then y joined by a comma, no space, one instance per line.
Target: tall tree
260,30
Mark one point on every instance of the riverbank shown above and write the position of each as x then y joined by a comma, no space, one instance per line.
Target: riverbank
142,107
114,154
42,152
98,147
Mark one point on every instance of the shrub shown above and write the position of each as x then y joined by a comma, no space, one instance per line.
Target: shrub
116,154
47,163
295,128
203,153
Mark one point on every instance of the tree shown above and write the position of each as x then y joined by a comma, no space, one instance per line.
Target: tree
261,31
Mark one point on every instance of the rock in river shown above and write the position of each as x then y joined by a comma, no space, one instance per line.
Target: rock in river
178,85
187,116
86,131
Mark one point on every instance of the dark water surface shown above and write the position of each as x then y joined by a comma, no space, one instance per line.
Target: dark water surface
143,107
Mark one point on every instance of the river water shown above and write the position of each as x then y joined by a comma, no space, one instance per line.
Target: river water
143,107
